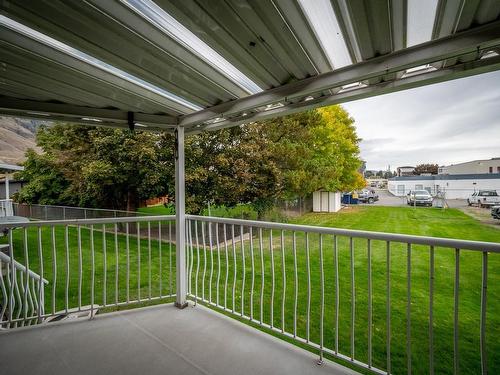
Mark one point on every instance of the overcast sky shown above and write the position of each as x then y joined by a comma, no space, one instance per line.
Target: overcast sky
446,123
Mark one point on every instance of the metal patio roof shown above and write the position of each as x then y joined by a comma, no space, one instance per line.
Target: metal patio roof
207,64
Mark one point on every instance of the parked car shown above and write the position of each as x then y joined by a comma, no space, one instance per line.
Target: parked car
495,212
484,198
419,198
367,196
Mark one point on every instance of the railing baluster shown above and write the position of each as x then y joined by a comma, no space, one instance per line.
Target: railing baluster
66,245
456,360
54,270
431,310
227,267
353,296
234,265
4,294
105,265
191,258
322,286
197,261
31,307
388,305
243,272
40,282
337,298
92,281
370,302
408,308
117,266
482,332
218,260
253,272
296,283
170,257
204,261
12,273
211,261
27,265
187,254
127,245
149,260
138,261
35,302
272,275
283,275
160,269
80,266
261,248
19,303
308,266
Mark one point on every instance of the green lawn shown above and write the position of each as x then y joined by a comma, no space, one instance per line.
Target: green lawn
142,264
420,221
241,211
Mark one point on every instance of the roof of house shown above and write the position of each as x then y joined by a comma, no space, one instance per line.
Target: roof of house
10,167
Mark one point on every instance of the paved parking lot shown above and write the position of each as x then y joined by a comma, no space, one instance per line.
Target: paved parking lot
387,199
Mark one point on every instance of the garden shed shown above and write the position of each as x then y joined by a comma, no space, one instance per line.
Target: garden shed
326,201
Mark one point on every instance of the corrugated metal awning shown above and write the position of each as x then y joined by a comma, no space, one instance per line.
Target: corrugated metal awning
207,64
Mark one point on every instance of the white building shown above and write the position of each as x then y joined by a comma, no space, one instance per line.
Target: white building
472,167
326,201
457,186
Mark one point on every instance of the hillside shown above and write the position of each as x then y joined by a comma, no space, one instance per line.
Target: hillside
16,136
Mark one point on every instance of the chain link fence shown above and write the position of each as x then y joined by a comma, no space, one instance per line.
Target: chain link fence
51,212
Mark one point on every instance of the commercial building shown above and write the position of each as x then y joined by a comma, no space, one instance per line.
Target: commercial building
457,186
472,167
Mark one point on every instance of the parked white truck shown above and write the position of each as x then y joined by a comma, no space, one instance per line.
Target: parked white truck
484,198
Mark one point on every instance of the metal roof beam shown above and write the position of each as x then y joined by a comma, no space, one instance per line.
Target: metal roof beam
82,115
477,39
458,71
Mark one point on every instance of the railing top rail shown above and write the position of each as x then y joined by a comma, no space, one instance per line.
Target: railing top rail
105,220
382,236
82,208
7,259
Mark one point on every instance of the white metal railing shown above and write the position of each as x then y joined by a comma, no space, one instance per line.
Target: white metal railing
6,208
17,281
316,286
86,264
335,290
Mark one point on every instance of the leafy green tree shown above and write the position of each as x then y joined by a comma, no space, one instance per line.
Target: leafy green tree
316,149
255,163
95,167
426,168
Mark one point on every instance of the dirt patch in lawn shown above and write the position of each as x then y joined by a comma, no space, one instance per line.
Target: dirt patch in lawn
483,215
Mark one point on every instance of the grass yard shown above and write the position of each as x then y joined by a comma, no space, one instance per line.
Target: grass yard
241,211
208,270
142,264
420,221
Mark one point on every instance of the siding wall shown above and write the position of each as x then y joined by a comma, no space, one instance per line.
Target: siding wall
454,188
326,201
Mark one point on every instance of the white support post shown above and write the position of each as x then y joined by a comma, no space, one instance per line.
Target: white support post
180,220
7,187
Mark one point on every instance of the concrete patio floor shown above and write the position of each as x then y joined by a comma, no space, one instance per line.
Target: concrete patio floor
154,340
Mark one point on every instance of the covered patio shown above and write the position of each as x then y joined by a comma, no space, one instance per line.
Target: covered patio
159,340
192,66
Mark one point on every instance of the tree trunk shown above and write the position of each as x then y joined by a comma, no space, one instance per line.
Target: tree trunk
132,201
